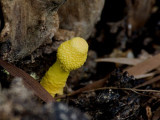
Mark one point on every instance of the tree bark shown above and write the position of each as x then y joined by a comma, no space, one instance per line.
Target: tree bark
25,25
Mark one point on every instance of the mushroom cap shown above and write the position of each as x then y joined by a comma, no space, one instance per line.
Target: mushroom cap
72,53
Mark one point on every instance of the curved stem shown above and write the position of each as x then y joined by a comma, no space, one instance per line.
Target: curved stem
55,79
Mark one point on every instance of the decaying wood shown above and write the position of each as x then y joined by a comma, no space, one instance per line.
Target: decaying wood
139,12
27,25
80,16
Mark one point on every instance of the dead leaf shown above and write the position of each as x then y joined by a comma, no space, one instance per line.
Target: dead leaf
29,82
153,80
127,61
94,85
145,66
144,75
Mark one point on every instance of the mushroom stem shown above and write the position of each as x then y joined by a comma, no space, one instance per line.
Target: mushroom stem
49,81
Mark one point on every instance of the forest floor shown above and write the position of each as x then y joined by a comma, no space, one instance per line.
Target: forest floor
121,78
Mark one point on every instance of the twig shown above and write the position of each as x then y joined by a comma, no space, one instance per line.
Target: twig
115,88
128,89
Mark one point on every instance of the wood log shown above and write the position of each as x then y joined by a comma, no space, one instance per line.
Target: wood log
80,16
27,25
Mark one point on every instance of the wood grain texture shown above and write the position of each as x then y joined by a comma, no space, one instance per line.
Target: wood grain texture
27,25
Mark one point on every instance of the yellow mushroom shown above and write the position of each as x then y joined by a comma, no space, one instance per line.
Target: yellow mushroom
71,55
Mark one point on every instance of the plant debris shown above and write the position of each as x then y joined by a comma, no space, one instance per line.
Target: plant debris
119,81
110,103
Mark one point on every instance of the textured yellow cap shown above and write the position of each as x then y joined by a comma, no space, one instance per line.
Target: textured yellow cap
73,53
